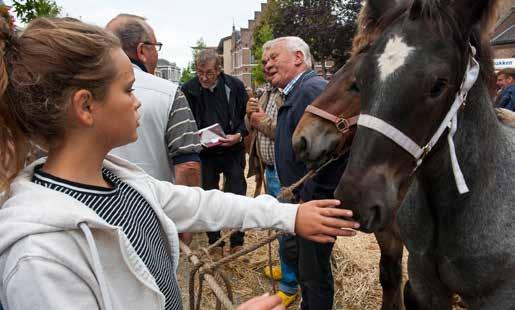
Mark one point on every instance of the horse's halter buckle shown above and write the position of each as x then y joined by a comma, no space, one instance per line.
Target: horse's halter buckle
343,125
425,150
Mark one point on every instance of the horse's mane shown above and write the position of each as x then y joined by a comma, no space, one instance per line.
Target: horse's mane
366,31
486,27
485,59
369,28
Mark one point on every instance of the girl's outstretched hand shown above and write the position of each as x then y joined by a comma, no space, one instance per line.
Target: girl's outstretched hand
320,221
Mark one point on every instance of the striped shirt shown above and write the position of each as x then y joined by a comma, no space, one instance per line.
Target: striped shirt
181,133
166,135
124,207
292,83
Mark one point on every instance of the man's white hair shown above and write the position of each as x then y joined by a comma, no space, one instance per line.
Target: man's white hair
293,44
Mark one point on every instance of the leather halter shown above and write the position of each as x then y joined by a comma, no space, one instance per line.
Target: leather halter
342,124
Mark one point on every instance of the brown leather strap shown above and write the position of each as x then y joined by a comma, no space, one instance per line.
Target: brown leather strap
342,124
323,114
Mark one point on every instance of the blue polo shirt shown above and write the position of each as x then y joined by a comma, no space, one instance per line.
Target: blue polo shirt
299,93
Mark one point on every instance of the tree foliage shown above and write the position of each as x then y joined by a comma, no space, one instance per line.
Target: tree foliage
189,72
327,26
261,35
29,9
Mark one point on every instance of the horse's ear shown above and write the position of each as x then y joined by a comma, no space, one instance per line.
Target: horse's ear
378,7
470,12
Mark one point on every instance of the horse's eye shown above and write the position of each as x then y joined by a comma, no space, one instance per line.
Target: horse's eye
354,87
438,88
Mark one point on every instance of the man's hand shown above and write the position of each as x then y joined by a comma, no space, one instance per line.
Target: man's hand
255,118
264,302
187,173
505,115
318,221
230,140
252,106
186,237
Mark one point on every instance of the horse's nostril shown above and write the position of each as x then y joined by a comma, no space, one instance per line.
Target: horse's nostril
303,143
376,215
372,219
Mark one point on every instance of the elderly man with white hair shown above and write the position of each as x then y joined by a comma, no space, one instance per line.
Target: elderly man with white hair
288,66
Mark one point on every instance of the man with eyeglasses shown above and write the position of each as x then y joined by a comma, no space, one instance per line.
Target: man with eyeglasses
158,45
168,146
216,97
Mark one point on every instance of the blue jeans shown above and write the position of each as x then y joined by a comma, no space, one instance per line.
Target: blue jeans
272,181
288,283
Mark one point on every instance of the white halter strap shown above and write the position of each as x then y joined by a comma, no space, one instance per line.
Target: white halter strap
450,121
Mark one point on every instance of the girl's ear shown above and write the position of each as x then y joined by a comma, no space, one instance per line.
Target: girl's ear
82,107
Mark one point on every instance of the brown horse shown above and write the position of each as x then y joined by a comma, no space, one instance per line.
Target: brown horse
319,137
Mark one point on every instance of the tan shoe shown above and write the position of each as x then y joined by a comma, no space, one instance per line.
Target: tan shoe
287,299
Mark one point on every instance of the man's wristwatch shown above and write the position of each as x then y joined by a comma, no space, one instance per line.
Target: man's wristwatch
240,139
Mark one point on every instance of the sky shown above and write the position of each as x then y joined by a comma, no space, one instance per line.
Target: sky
178,24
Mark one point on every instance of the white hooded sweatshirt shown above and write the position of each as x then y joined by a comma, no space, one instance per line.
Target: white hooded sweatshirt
56,253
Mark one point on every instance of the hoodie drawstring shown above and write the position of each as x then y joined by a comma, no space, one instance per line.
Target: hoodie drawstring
99,272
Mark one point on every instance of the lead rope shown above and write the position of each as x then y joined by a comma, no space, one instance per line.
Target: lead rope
287,194
461,184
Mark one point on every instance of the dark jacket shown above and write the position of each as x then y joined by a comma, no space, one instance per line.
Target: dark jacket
289,167
208,113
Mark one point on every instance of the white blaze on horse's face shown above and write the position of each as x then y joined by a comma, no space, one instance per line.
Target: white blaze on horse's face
394,56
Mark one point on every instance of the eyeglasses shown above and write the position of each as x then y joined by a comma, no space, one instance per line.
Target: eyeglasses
158,45
209,74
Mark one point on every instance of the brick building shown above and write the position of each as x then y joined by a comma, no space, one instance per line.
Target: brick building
503,37
235,50
237,57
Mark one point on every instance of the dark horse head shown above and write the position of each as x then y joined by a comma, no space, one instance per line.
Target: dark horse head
409,79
